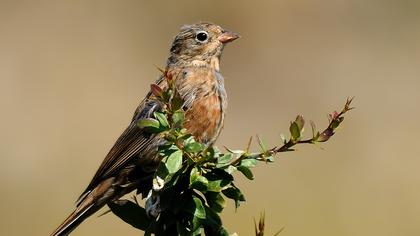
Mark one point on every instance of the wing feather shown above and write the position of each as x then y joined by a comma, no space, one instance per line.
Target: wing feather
128,146
134,142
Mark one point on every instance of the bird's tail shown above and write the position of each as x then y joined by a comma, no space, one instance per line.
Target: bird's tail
73,220
89,204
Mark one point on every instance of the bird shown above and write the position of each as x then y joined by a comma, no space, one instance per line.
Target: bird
194,65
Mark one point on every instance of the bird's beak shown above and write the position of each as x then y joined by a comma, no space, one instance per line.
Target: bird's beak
227,37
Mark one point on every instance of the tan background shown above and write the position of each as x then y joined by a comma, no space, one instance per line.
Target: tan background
72,72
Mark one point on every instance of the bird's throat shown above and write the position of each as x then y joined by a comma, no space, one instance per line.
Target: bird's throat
213,63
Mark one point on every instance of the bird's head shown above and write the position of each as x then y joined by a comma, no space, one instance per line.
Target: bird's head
199,43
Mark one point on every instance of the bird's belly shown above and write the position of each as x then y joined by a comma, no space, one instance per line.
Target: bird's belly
204,119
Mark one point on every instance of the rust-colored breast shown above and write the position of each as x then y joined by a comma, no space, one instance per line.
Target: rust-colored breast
204,118
203,92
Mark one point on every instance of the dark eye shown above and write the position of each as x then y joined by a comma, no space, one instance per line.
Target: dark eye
202,36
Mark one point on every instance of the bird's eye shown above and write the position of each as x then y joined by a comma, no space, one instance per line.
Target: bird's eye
202,36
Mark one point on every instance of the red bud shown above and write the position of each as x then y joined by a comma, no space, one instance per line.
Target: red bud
156,90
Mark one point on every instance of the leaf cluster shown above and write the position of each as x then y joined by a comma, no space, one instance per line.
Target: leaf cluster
193,181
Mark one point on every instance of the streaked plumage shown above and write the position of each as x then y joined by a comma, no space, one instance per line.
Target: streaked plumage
131,162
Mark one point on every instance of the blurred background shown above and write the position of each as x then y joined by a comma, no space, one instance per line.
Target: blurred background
72,73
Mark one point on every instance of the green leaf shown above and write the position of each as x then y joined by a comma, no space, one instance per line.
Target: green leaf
215,186
193,147
218,180
194,206
230,169
224,160
335,123
215,151
162,119
174,162
193,174
215,201
212,218
246,171
188,139
294,131
131,213
300,122
235,194
149,124
199,211
178,117
213,223
223,232
200,183
249,163
161,173
197,223
197,181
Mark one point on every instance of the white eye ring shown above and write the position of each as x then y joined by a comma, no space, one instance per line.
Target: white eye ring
202,36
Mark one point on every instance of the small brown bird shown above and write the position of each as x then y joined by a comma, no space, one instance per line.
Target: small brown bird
130,164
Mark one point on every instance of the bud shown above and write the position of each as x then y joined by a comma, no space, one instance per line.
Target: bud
300,122
156,90
324,136
168,76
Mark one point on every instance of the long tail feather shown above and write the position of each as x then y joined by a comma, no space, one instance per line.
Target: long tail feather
73,220
86,206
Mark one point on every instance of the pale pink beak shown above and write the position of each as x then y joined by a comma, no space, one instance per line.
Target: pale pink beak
227,37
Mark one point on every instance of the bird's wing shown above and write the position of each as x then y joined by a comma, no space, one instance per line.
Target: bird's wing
128,146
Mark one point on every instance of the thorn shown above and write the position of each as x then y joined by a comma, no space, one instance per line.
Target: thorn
104,213
261,143
255,227
313,126
159,68
278,232
249,144
348,102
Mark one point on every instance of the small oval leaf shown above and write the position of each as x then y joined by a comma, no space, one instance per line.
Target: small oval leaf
215,201
294,131
174,162
246,171
193,147
224,160
199,212
249,163
149,125
178,117
148,122
162,119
